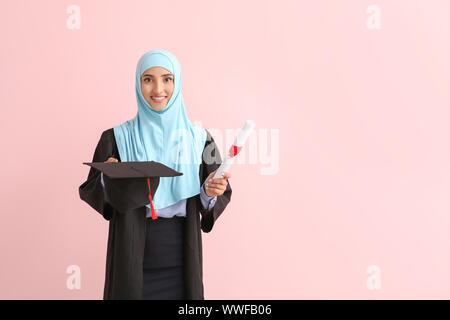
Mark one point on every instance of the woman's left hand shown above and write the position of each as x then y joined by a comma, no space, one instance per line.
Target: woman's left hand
216,187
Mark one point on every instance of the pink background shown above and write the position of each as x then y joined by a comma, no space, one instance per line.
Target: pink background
364,162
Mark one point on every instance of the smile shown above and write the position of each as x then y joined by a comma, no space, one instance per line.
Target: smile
158,99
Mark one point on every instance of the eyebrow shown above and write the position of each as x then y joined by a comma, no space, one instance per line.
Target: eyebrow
150,75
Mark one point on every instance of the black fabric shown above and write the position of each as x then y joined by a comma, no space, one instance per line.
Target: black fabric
164,259
124,274
164,242
164,284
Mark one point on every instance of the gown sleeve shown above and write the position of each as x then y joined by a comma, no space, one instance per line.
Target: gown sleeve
91,191
211,161
207,202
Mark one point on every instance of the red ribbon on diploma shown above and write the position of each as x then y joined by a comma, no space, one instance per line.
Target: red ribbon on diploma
234,150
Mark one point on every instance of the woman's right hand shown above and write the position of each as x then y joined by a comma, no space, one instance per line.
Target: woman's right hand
111,159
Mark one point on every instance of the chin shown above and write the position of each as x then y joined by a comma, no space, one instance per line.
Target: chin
158,108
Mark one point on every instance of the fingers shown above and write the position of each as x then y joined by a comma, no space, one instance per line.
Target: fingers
218,181
227,175
215,189
214,192
218,186
222,180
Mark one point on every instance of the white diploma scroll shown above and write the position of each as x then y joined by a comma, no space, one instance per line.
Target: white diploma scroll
235,148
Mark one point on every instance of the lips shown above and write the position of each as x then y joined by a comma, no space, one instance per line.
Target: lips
158,98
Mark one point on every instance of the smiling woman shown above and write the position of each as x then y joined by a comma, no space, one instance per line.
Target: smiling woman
155,250
157,86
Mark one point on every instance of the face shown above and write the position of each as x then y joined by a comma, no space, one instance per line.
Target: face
157,82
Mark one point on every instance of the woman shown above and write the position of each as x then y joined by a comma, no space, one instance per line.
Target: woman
160,258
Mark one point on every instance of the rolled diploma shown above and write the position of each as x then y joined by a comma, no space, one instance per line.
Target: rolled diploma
235,148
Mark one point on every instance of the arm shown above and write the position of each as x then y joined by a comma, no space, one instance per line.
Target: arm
207,202
91,191
211,161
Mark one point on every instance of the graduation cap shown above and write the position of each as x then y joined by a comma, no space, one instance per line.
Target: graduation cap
126,183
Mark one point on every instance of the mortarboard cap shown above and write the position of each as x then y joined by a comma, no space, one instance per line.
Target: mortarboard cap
131,185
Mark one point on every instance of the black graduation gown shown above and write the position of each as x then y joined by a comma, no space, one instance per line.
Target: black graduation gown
127,230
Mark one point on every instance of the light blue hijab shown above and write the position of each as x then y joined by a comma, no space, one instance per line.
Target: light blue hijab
166,136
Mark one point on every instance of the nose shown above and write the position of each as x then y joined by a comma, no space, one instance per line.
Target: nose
158,88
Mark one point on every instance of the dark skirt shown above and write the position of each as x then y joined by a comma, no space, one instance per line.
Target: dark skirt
164,259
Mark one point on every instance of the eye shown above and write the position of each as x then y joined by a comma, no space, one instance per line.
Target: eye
146,79
169,78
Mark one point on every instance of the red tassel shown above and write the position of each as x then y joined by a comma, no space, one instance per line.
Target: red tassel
154,216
